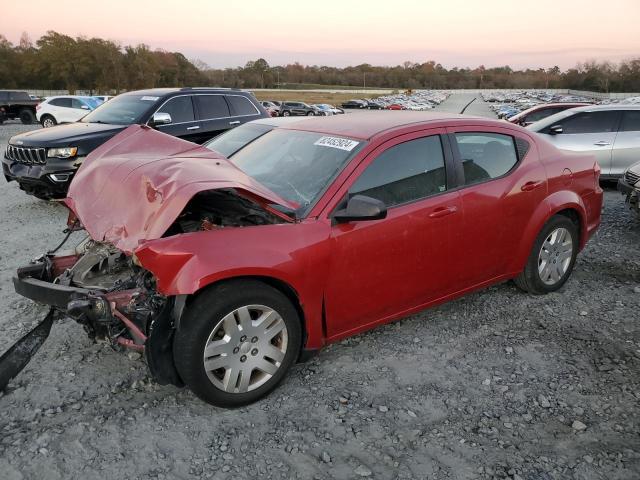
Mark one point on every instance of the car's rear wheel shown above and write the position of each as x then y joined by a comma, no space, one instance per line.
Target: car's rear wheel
48,121
310,114
286,113
27,117
236,342
552,258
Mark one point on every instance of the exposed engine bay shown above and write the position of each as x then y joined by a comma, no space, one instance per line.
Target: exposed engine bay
213,209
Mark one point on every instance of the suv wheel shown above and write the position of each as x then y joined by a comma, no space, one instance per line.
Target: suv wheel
26,116
48,121
552,258
286,113
310,114
236,342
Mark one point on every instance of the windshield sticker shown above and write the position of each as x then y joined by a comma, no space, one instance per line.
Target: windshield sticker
150,99
337,142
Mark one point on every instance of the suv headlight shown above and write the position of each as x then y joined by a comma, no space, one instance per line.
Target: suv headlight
65,152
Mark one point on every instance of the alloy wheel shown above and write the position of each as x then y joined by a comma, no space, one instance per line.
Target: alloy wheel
48,122
245,349
555,256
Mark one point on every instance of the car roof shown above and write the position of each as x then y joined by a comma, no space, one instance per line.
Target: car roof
159,92
366,125
607,107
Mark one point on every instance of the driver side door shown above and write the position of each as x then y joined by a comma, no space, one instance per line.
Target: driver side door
381,269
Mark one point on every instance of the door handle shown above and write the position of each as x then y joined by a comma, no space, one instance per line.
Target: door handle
527,187
602,143
237,122
443,212
194,127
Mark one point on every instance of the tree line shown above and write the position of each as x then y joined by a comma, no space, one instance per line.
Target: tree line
61,62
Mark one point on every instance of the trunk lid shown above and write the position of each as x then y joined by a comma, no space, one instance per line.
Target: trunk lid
133,187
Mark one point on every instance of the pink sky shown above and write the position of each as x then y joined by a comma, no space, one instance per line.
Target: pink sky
348,32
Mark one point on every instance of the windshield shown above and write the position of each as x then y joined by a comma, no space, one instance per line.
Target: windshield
233,140
296,165
121,110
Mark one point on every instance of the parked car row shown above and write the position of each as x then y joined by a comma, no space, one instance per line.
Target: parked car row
417,101
517,106
289,109
200,256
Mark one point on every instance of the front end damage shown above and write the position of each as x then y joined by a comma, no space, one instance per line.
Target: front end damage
139,187
114,300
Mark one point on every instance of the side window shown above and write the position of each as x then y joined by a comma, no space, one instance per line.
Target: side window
75,103
405,172
4,96
180,109
630,121
19,96
485,155
241,105
211,106
61,102
590,122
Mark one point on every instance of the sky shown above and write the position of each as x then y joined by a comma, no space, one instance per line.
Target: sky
462,33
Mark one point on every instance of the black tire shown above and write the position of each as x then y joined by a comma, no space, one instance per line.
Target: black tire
530,279
44,120
286,113
27,117
201,317
310,114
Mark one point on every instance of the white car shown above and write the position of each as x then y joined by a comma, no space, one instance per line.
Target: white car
103,98
64,109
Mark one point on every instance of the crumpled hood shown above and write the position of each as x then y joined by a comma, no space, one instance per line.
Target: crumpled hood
133,187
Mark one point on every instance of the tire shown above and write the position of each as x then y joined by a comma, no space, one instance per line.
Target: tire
27,117
310,114
48,121
547,271
212,319
286,113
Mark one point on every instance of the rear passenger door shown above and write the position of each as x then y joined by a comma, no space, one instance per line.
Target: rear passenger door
183,119
501,187
213,116
626,148
242,110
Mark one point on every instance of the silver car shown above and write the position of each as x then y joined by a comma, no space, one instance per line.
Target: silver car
610,132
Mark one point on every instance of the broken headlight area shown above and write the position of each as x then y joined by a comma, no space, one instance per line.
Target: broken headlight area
115,300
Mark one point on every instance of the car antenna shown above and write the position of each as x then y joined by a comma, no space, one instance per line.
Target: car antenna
465,107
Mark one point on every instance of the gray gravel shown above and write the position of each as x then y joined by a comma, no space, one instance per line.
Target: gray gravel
496,385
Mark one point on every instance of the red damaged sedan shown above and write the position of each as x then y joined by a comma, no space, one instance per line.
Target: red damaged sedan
225,272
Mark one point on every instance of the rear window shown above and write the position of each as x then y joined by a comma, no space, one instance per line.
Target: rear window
211,106
630,121
241,105
485,156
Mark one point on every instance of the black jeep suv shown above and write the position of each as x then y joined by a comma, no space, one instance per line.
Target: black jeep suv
44,161
288,109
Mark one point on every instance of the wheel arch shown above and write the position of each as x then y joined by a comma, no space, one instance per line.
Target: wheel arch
281,285
565,203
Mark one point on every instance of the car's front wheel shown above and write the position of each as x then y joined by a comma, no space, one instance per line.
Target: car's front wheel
552,258
310,114
286,113
48,121
236,342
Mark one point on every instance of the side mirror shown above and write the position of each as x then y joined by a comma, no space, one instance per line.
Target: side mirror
160,118
84,107
361,207
555,129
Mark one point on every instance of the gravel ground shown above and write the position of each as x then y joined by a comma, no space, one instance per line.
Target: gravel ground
496,385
